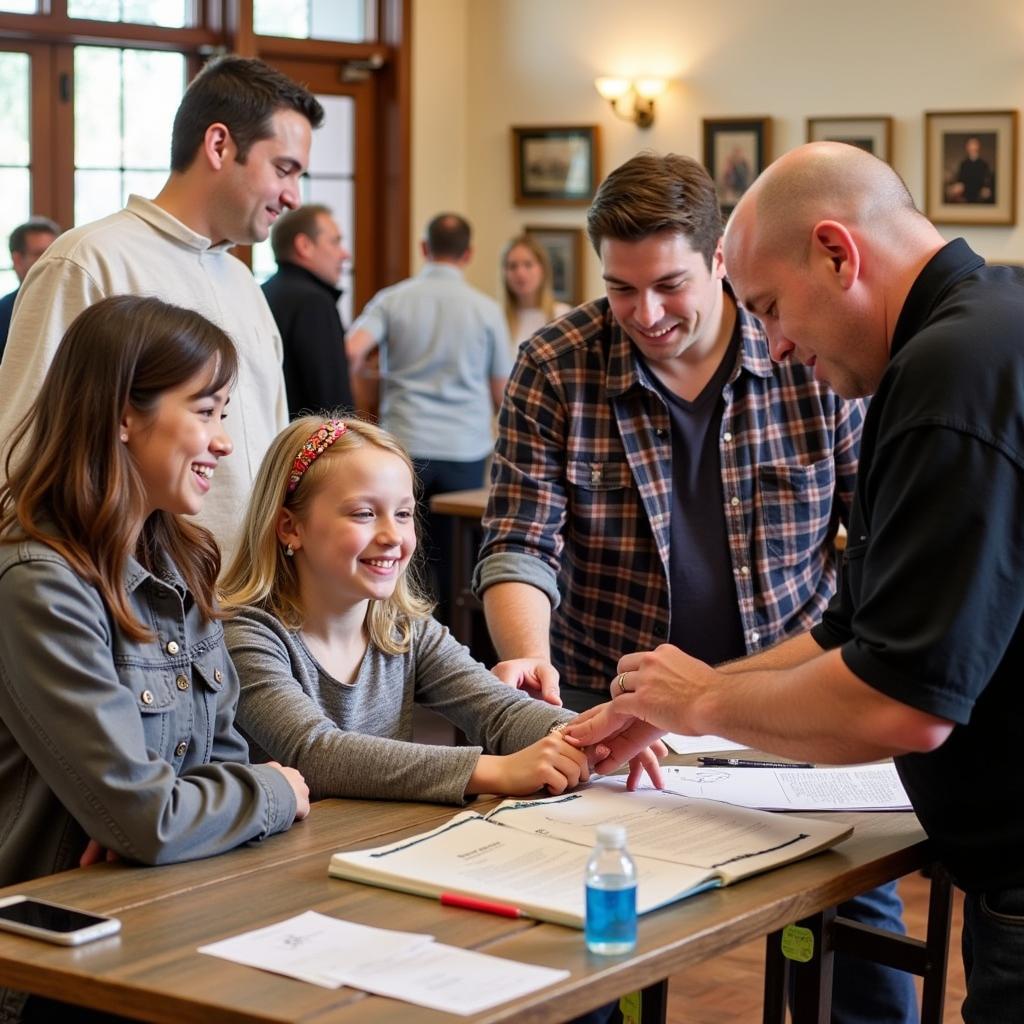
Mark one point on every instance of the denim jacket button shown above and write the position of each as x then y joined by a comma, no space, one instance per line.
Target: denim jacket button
172,647
179,750
218,675
181,682
147,696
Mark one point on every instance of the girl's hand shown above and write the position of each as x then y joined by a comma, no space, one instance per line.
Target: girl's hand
299,788
550,763
94,853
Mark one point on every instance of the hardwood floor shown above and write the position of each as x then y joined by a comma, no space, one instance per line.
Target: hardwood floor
729,990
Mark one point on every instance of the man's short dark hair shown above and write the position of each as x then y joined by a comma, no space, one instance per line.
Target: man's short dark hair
650,194
18,242
242,93
448,236
288,227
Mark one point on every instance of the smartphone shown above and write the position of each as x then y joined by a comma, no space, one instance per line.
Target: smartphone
52,922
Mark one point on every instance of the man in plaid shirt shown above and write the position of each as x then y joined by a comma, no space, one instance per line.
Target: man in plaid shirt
658,479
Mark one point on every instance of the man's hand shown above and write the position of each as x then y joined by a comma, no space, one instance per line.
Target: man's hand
533,674
626,739
663,687
299,788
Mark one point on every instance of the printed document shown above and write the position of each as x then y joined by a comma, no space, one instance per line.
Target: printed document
858,787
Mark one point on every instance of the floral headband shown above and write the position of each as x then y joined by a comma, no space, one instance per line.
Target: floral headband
318,442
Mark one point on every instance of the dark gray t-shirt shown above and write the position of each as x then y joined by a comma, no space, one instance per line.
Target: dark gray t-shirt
705,609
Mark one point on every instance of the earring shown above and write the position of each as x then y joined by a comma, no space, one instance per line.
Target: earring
289,551
124,436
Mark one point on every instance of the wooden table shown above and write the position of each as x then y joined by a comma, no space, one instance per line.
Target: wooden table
151,970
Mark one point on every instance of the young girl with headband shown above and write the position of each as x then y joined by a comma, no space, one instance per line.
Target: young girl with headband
334,644
116,691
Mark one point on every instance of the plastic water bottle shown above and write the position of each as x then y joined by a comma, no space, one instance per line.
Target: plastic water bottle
611,894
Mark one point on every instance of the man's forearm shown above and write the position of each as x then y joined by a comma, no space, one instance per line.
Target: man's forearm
519,620
787,654
816,710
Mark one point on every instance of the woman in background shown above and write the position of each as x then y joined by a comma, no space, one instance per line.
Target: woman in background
529,301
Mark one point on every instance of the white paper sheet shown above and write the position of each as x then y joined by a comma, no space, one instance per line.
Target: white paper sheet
328,952
451,979
868,787
313,947
680,744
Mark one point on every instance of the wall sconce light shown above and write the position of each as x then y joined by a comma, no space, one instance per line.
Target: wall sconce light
643,91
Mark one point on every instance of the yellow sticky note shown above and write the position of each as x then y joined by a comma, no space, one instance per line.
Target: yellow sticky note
797,943
629,1004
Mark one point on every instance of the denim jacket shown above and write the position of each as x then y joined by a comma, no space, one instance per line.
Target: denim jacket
132,744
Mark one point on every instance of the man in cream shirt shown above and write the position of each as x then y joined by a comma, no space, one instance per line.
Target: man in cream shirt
240,142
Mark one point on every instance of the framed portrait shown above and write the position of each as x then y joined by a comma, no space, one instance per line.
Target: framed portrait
872,134
564,247
555,166
735,153
970,166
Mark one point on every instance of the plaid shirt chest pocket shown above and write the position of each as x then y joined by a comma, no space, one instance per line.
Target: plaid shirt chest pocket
596,481
795,508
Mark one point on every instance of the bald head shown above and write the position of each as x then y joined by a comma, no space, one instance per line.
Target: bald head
823,249
819,181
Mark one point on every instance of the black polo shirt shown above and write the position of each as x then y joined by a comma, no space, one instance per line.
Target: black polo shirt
931,608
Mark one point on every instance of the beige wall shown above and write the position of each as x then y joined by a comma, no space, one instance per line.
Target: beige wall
440,139
480,66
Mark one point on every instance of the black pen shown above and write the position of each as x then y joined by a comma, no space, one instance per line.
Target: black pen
736,762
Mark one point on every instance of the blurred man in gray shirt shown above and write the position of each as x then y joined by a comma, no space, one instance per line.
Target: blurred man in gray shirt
444,358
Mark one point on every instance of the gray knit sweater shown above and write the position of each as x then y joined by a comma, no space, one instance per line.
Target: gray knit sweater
355,740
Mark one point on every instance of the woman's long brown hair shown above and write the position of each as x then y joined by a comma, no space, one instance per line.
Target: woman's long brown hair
72,485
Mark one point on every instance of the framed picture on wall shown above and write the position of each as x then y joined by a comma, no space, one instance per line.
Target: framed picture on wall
555,165
970,166
564,247
873,134
735,153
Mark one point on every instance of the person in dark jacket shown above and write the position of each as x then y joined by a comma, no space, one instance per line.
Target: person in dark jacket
303,296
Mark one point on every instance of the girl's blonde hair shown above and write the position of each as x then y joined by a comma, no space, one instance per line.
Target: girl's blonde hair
262,575
545,296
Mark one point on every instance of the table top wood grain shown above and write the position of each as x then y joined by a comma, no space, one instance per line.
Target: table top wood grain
151,970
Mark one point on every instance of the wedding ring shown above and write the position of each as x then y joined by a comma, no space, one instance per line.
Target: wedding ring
622,683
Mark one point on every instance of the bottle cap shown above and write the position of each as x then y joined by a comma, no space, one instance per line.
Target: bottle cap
611,835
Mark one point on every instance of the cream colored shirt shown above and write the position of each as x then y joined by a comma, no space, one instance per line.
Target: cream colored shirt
530,321
142,250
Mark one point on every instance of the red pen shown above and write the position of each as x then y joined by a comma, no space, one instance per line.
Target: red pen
454,899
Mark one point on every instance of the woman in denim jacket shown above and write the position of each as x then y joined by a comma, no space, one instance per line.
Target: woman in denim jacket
117,696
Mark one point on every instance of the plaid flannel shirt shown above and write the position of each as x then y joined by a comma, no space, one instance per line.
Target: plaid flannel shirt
581,491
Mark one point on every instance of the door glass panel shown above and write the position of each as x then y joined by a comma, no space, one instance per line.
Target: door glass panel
97,194
15,186
97,107
19,7
125,102
153,85
15,178
349,21
167,13
330,180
